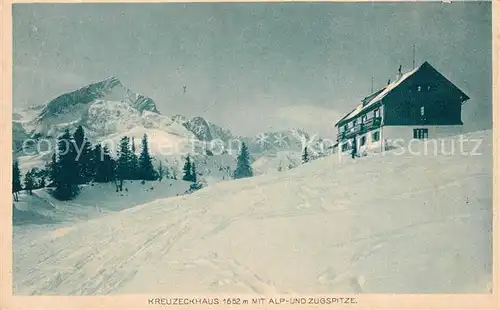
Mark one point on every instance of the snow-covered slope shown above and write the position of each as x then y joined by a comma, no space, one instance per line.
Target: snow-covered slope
280,161
93,201
382,224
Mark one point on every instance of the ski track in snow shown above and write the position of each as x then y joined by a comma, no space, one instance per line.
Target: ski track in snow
95,268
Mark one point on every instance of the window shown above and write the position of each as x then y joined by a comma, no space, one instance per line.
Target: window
346,127
376,136
344,147
376,113
422,111
354,123
420,133
428,87
363,118
419,88
363,140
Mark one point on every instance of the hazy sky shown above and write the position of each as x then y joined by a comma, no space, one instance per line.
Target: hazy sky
252,67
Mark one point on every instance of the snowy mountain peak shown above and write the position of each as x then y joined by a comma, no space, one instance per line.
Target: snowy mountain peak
80,107
203,129
110,89
180,119
111,81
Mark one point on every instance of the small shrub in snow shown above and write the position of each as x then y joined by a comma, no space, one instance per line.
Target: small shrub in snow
195,186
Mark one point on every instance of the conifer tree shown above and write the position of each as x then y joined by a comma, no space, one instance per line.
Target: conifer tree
90,164
39,176
174,169
104,164
305,156
42,182
51,169
66,170
194,178
29,182
123,163
134,162
166,172
84,156
16,180
146,170
97,159
160,172
243,168
187,176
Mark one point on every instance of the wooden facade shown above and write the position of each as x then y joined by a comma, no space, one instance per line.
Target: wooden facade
421,98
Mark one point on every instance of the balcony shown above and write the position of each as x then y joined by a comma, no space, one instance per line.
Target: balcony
367,125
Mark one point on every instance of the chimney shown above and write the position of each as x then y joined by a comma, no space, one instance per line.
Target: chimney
389,82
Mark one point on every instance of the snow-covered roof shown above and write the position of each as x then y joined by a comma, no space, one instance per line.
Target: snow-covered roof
386,90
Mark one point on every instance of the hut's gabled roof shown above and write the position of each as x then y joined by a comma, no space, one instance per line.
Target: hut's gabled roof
383,92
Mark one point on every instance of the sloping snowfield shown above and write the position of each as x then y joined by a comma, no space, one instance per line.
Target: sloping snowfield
93,201
382,224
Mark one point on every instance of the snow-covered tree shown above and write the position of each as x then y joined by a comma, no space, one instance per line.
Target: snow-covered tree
16,180
39,176
187,170
305,156
174,169
243,167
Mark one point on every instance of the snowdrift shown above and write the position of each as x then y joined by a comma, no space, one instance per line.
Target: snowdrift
392,223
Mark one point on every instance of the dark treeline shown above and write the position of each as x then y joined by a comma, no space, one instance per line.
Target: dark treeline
76,161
